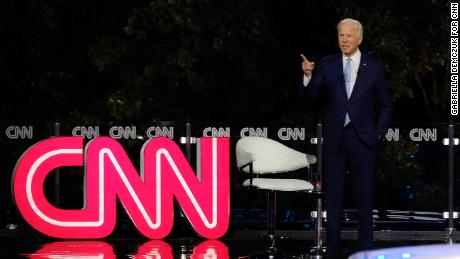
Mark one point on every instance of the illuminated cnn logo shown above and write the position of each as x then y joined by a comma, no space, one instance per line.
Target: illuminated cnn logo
109,174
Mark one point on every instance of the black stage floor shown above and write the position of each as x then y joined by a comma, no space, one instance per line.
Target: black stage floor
238,244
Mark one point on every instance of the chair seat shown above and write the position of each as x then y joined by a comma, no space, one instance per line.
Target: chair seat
287,185
268,156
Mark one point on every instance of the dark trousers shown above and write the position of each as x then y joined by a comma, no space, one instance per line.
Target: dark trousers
359,159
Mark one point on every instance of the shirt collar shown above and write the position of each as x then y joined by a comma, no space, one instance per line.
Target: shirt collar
355,58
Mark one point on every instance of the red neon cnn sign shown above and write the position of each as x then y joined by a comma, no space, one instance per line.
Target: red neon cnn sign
109,174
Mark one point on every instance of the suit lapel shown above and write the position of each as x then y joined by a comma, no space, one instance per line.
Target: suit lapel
361,73
341,77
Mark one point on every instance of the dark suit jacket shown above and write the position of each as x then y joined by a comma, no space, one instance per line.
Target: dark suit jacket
369,106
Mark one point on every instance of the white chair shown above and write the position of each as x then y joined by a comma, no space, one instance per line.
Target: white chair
262,157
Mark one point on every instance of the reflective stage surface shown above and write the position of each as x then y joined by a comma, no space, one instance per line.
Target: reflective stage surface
205,249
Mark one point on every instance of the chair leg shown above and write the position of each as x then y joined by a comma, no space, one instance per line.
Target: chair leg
271,217
318,248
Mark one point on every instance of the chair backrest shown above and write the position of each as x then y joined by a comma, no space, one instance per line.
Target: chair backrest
269,156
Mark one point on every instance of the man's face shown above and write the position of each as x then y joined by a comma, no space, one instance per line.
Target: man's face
349,38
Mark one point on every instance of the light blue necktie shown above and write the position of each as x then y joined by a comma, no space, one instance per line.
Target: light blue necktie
347,77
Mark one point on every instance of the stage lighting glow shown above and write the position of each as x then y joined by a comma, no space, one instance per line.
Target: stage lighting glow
405,255
433,251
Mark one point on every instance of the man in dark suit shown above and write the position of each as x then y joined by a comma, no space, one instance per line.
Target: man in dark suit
358,112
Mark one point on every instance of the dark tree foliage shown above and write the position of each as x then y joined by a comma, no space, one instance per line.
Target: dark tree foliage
412,38
206,59
191,60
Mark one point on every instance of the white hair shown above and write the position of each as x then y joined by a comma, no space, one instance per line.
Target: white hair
356,22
